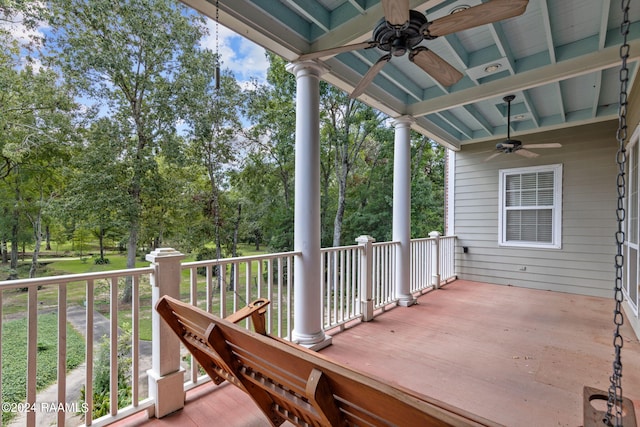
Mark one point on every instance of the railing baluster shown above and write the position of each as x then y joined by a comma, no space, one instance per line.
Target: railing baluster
209,287
32,342
113,382
289,296
1,328
193,298
62,350
88,376
280,277
135,339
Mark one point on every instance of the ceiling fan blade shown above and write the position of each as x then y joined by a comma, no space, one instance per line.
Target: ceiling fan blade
337,50
494,155
435,66
549,145
485,13
368,78
396,12
526,153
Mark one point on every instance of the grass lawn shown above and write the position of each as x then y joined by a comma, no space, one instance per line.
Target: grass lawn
14,356
15,301
15,324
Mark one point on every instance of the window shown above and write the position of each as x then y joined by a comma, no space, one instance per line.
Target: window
531,207
631,283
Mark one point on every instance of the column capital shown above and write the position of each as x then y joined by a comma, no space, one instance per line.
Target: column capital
403,121
308,67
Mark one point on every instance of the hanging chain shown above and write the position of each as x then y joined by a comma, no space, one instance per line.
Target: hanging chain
217,64
614,404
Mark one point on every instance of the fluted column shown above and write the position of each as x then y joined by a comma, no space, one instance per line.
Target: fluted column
307,327
402,208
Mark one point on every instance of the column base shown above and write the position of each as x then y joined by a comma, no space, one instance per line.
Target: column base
407,301
312,342
167,391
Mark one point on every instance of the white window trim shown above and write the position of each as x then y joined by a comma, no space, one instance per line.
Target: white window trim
556,242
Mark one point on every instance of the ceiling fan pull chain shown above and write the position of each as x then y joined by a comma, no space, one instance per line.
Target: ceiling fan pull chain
614,404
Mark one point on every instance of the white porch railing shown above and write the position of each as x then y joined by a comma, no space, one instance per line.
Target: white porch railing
243,279
356,281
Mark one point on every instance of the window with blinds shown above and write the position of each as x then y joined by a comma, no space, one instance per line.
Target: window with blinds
530,206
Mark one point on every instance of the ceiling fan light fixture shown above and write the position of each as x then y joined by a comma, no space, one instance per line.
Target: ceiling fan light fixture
459,8
492,68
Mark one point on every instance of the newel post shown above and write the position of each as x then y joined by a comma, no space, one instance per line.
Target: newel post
435,259
366,276
166,377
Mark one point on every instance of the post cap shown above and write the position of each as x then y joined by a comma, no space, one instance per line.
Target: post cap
163,253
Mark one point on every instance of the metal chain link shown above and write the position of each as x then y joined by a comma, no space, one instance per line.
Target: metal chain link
614,404
217,64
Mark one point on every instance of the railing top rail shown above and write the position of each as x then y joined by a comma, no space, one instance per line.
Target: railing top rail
68,278
340,248
425,239
238,259
393,242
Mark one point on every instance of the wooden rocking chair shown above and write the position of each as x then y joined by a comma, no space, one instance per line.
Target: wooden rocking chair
291,383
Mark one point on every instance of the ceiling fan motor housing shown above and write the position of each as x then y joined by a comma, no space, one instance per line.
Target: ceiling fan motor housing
399,40
509,145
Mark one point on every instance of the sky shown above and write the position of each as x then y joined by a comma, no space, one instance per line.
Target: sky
243,58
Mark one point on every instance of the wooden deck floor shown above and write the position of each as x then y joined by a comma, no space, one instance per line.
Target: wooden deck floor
519,357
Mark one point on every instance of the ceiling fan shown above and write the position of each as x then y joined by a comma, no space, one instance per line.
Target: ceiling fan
513,145
401,31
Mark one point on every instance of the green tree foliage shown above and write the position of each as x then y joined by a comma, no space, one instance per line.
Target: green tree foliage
348,126
36,127
212,113
268,175
160,156
129,57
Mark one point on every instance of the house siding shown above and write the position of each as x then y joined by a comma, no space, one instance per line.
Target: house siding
585,262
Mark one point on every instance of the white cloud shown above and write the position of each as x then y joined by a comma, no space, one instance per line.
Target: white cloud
19,31
244,58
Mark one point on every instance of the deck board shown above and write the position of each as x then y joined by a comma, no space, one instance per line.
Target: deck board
517,356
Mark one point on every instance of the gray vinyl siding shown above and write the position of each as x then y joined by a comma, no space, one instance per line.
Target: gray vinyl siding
584,263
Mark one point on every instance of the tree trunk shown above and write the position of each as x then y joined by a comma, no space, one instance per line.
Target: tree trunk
342,200
13,266
37,234
132,249
236,228
47,233
101,243
4,250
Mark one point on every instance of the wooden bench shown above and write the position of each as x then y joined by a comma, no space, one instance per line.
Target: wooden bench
291,383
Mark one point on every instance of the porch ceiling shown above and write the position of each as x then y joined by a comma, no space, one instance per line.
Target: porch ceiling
560,59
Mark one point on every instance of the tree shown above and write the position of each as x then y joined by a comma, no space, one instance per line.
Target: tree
427,186
96,193
268,172
348,127
129,56
212,113
36,123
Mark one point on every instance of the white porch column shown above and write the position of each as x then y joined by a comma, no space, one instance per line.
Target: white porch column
166,377
402,208
307,326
